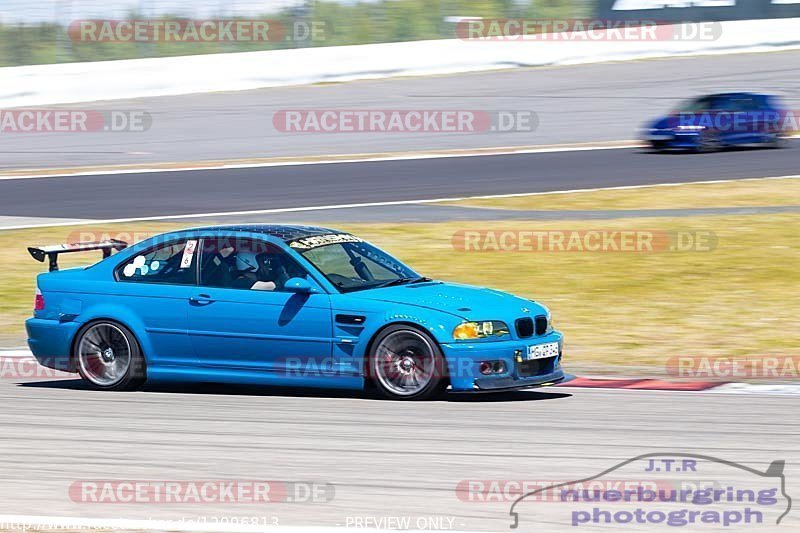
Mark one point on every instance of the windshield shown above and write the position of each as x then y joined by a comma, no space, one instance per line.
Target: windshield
353,266
697,105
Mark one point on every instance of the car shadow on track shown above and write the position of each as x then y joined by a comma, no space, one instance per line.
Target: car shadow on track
247,390
511,396
683,151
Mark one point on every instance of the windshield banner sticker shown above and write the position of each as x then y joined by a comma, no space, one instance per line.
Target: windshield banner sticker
308,243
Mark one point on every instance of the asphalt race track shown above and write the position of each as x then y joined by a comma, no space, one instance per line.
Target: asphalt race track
384,459
245,189
583,103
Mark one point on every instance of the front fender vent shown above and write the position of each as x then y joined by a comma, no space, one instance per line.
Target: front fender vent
352,320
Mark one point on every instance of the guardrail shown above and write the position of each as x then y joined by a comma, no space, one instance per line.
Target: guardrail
135,78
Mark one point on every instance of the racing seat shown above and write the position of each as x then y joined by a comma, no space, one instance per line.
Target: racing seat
216,271
272,268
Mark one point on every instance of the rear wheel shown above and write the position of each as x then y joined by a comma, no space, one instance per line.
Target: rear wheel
406,364
778,141
108,356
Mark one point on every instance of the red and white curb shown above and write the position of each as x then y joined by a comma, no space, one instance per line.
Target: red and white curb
641,384
647,384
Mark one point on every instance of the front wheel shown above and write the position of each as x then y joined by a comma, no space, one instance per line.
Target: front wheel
108,357
406,364
709,142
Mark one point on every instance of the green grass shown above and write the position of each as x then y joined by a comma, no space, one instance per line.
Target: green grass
615,308
628,308
748,193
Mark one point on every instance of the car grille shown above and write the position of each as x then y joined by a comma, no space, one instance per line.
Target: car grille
526,327
541,325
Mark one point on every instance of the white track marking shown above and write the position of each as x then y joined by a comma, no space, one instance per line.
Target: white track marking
65,523
763,389
6,221
16,353
377,204
478,152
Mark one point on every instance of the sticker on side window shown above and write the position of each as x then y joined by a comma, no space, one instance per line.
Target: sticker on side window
188,253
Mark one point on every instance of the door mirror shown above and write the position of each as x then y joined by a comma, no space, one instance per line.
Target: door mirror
299,286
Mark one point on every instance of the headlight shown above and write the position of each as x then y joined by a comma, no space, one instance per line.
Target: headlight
691,128
550,326
479,330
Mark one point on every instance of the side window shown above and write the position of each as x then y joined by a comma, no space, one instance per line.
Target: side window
174,263
700,105
721,103
762,102
743,104
248,264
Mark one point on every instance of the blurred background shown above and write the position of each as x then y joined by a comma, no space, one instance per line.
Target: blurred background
34,32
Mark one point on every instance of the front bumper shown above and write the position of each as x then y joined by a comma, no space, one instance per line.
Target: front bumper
666,139
463,362
50,342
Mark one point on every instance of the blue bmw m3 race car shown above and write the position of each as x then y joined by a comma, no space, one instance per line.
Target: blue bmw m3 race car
282,305
717,121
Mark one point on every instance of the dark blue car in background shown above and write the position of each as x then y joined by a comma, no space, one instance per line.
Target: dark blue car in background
717,121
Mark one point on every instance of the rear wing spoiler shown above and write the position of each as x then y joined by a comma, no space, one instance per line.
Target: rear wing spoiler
51,252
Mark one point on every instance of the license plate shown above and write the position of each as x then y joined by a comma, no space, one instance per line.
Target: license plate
542,351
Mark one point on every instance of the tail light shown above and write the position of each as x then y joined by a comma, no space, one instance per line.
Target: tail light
38,300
